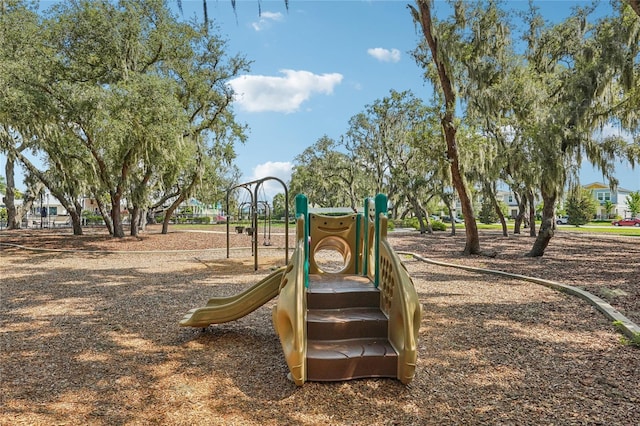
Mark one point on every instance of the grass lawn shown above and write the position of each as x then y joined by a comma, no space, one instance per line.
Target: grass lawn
591,227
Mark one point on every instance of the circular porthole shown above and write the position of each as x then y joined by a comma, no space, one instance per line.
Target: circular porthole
332,255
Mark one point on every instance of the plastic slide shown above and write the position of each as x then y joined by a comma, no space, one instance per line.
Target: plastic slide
225,309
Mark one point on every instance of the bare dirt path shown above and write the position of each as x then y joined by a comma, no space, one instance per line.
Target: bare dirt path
91,337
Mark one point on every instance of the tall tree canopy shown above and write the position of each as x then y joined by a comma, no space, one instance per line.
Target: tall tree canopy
126,100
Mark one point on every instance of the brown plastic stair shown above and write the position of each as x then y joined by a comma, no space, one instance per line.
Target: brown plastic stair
346,330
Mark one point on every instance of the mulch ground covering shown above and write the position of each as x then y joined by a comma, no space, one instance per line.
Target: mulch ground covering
91,336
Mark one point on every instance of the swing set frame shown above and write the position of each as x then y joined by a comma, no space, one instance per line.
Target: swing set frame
257,184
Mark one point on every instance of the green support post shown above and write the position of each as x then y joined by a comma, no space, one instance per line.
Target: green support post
365,249
358,247
302,208
381,207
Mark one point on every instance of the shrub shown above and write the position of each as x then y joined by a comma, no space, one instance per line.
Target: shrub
488,214
436,225
580,206
414,223
91,218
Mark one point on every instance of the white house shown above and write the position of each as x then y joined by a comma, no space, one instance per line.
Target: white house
602,193
509,199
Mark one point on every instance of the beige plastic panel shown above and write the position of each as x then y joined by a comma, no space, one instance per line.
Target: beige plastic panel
289,314
336,233
399,300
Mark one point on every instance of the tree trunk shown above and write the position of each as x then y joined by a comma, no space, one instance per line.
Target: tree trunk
135,213
472,245
76,223
183,196
453,220
105,214
75,214
137,221
167,215
142,223
151,217
547,228
427,218
496,206
27,200
428,221
417,208
13,219
522,208
69,202
116,217
532,213
503,221
73,208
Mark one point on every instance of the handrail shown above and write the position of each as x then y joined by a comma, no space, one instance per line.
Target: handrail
289,314
400,302
368,251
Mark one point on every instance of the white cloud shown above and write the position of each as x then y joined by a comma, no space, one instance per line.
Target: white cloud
271,187
258,93
385,55
266,19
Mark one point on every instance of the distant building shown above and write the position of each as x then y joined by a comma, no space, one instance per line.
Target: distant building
618,198
601,193
509,199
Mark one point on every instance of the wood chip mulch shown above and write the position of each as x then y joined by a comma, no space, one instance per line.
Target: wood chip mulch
91,336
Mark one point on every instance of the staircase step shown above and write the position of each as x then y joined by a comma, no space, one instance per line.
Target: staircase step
341,291
346,323
346,330
332,360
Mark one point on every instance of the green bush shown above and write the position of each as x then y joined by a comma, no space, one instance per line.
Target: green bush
205,220
436,225
414,223
581,207
398,223
91,218
487,214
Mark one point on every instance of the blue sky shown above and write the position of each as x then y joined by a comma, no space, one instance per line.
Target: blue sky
314,67
318,64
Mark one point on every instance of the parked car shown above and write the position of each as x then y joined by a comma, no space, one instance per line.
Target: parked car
562,220
630,221
447,219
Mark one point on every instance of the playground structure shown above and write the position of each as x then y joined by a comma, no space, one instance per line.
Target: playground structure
253,212
356,320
